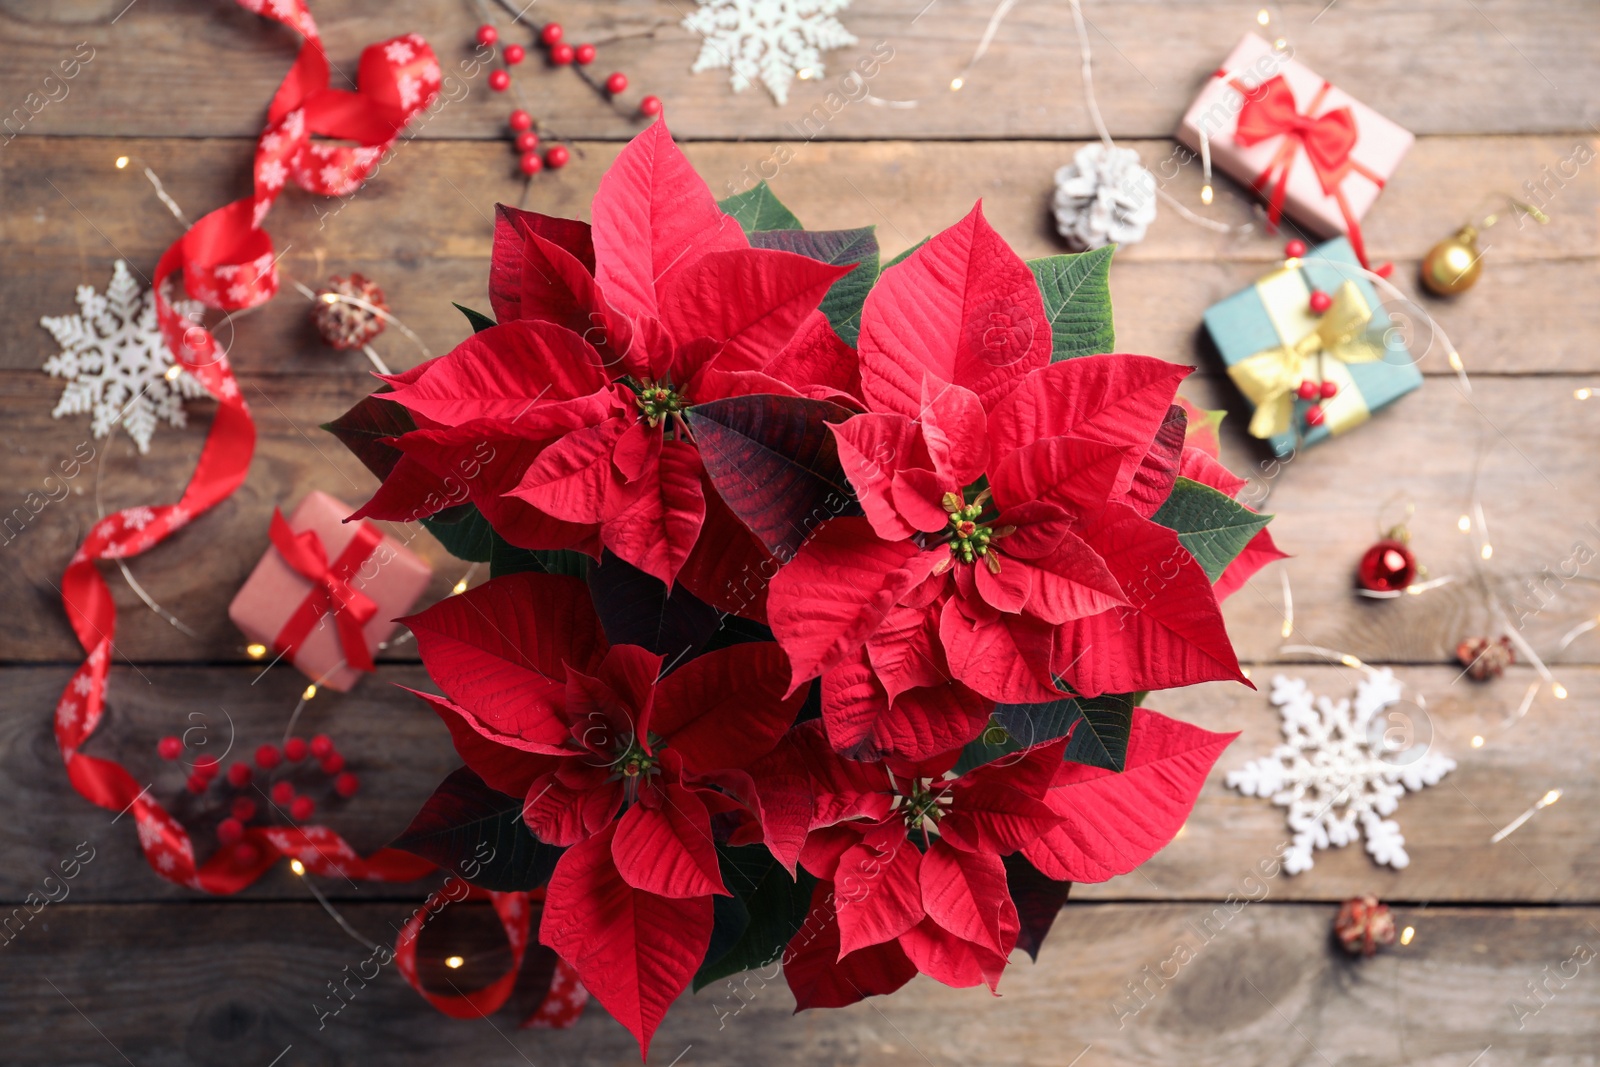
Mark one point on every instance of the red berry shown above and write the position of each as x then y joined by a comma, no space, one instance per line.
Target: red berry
1314,416
616,83
1330,390
520,120
169,748
551,34
650,105
239,774
282,792
246,854
1294,249
584,53
346,784
268,757
1306,390
556,156
1320,301
499,81
514,53
527,141
295,749
301,809
561,55
332,763
530,163
487,34
321,745
207,767
243,808
230,831
197,783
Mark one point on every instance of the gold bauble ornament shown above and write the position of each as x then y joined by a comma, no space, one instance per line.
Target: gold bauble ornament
1453,265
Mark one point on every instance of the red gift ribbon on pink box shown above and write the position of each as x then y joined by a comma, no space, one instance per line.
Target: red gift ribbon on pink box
331,592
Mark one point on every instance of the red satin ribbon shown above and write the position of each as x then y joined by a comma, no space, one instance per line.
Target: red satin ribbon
562,1003
228,263
331,592
1269,110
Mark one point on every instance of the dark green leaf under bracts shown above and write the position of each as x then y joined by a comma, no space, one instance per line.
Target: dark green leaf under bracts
1213,526
1077,301
477,319
478,834
636,608
506,558
774,910
364,429
842,304
1038,899
758,210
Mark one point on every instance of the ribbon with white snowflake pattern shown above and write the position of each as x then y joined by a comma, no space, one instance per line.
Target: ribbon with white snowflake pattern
228,263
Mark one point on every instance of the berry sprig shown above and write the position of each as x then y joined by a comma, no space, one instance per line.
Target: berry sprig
526,136
1314,391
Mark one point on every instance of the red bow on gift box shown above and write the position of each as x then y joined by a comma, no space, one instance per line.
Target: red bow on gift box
1269,111
331,592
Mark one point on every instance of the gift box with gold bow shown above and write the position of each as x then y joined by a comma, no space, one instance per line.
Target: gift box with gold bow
1287,357
327,592
1310,149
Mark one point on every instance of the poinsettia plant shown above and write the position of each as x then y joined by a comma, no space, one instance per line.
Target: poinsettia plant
825,596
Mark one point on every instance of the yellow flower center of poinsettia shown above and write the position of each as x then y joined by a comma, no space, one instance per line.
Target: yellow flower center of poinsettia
969,536
922,807
658,400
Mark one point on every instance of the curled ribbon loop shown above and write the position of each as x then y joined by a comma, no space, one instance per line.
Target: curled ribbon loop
1269,377
331,592
227,262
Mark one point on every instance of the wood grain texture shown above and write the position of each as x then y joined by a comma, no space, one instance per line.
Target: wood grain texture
1134,984
401,752
1495,66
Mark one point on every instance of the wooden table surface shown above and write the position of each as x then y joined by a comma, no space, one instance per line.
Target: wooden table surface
1501,93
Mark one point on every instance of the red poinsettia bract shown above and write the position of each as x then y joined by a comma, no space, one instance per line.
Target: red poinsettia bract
1007,539
606,336
616,762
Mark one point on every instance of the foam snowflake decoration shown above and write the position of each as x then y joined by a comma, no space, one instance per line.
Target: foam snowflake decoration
1337,773
769,40
115,361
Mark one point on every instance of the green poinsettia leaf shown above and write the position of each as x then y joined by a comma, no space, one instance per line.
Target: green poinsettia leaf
478,833
759,210
636,608
1099,727
464,533
1077,300
364,430
506,558
1038,900
477,319
1213,526
774,909
844,299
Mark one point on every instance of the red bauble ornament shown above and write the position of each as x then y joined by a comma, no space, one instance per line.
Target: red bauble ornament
561,55
650,105
514,54
551,34
1306,390
268,757
343,323
243,808
1320,301
556,156
520,120
239,774
487,34
527,141
301,808
230,831
295,749
282,792
346,784
1314,416
1387,567
499,81
321,745
1330,390
332,763
169,748
584,53
530,163
1294,249
616,83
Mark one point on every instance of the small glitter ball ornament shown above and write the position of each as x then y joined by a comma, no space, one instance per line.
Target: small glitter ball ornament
1387,567
341,321
1363,924
1485,659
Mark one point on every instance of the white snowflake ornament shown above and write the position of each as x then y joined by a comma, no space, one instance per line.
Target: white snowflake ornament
767,40
1332,772
116,362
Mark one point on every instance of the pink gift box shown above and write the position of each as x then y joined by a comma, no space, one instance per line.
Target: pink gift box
390,575
1299,141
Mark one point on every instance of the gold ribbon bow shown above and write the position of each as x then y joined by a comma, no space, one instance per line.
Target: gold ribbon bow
1314,347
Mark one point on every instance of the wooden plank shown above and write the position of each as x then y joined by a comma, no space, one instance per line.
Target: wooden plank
75,214
1496,66
401,752
1536,487
244,984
